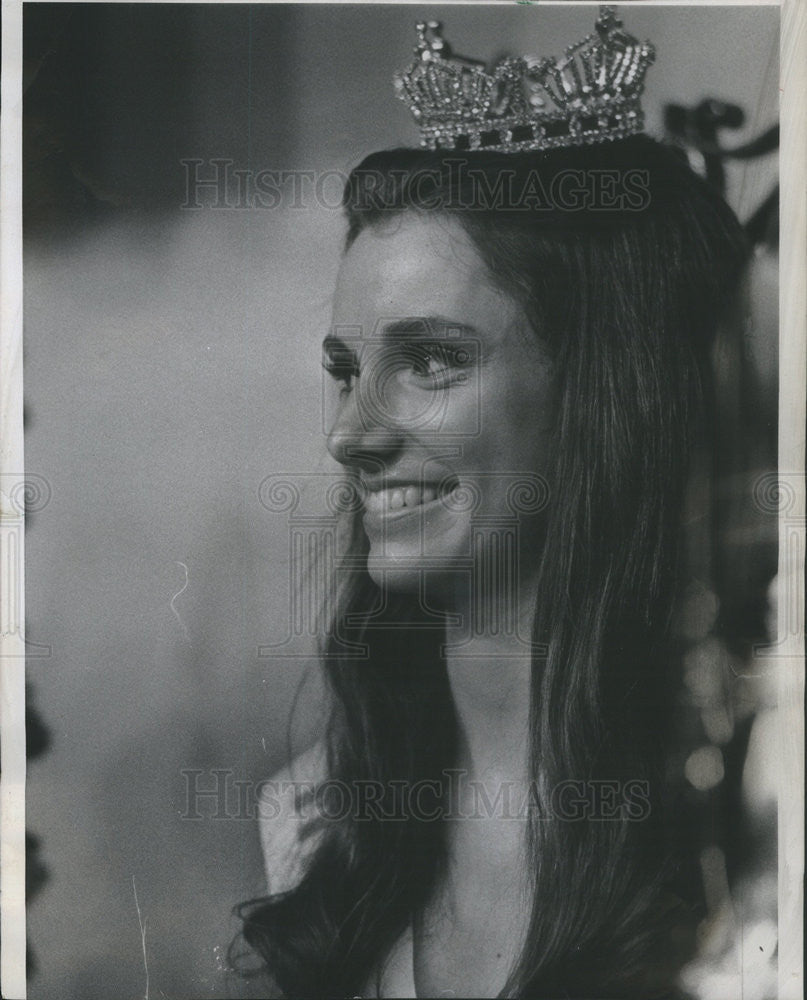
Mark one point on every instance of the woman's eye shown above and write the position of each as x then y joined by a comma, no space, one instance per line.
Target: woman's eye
433,366
438,362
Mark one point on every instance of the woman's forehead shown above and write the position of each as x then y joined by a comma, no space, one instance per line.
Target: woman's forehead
418,265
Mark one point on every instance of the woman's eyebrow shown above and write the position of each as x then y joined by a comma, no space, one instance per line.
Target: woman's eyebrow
421,327
427,327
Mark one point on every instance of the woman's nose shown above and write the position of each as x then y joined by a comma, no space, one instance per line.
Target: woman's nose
362,434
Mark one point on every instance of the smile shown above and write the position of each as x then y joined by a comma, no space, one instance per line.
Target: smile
405,497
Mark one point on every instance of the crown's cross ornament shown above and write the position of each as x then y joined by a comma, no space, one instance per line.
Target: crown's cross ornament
589,95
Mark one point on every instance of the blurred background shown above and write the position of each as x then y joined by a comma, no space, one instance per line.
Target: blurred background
172,364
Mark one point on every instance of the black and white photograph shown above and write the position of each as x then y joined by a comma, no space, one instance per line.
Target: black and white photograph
402,500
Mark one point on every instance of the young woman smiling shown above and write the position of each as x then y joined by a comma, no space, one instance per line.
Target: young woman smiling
521,388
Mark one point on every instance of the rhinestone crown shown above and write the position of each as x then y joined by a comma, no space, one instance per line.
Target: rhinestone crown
589,95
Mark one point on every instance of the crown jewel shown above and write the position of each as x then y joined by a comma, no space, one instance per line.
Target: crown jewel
589,95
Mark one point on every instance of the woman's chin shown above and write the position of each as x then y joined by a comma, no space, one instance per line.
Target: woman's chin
402,574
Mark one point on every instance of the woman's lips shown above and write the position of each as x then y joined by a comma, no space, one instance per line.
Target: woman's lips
402,499
397,497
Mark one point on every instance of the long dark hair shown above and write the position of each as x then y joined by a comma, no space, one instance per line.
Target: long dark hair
625,282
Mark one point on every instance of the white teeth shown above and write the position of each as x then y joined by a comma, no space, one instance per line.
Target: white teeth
378,501
374,501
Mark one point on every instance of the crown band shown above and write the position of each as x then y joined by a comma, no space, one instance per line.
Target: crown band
589,95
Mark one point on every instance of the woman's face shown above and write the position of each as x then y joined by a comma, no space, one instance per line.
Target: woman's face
444,405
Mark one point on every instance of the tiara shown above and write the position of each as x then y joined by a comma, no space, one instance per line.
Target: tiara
589,95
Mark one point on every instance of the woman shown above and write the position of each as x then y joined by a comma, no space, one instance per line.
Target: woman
522,357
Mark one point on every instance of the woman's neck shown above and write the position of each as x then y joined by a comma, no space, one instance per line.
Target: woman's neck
490,677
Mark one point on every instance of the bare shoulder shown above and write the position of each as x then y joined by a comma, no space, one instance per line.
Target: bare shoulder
287,818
